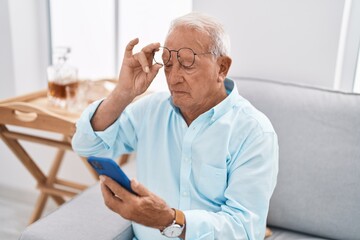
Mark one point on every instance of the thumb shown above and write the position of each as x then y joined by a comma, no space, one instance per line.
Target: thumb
139,189
154,70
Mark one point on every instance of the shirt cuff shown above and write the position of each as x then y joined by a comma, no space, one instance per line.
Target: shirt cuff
108,136
83,124
197,228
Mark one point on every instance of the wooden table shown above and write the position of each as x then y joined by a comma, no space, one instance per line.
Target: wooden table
33,111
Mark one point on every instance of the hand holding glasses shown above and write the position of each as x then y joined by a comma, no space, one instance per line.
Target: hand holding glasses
185,56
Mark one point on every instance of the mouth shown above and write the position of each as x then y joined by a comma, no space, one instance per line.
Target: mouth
178,92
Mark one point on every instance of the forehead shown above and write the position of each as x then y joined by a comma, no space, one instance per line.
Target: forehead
183,36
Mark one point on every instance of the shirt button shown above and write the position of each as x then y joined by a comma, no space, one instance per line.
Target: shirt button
187,159
185,194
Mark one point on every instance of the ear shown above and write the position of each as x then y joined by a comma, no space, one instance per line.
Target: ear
224,63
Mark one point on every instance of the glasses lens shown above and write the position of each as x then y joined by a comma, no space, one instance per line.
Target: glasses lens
186,57
162,56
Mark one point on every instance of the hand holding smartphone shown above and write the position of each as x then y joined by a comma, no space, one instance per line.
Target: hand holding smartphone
108,167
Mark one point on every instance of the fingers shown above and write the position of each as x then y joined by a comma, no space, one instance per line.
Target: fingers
110,200
139,189
115,188
154,70
130,46
149,49
145,57
146,208
142,59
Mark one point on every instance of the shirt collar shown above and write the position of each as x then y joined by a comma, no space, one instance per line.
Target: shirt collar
229,102
224,106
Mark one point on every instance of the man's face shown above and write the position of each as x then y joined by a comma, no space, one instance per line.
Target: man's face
194,87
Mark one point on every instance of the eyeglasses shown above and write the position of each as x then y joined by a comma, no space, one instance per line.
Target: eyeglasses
185,56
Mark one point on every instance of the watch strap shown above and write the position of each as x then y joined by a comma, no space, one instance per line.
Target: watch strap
179,217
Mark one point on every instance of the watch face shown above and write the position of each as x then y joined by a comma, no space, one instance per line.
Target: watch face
174,230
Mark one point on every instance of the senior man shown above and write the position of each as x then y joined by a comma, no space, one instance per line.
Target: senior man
207,160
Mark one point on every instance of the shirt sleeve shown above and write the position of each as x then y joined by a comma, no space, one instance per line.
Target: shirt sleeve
251,181
117,139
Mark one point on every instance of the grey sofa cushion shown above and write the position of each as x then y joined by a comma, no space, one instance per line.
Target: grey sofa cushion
281,234
318,190
82,218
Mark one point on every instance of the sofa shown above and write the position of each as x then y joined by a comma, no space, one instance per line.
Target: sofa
318,191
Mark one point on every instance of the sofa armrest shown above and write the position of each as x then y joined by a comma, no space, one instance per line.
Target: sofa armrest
84,217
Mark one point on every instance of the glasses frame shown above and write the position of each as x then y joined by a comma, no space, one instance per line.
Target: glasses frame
178,57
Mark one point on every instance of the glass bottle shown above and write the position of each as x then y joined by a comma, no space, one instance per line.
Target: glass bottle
62,78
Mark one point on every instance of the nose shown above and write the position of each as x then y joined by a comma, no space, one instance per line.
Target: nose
174,74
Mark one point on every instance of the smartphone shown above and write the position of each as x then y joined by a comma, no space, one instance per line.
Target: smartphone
108,167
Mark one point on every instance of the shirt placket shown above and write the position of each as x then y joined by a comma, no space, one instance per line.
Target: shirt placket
186,162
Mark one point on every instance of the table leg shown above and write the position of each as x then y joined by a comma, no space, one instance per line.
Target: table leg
53,172
23,156
39,207
46,183
35,171
40,204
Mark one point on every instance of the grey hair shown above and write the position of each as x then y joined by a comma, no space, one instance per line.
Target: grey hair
220,41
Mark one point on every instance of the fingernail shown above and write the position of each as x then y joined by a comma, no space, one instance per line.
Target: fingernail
102,178
147,69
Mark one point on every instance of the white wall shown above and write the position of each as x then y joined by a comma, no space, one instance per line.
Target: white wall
149,21
88,27
357,76
23,59
348,49
7,88
24,46
285,40
30,46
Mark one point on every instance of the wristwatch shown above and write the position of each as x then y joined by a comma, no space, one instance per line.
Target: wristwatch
175,229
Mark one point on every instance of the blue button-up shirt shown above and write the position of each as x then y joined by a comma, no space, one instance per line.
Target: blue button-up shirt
220,171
